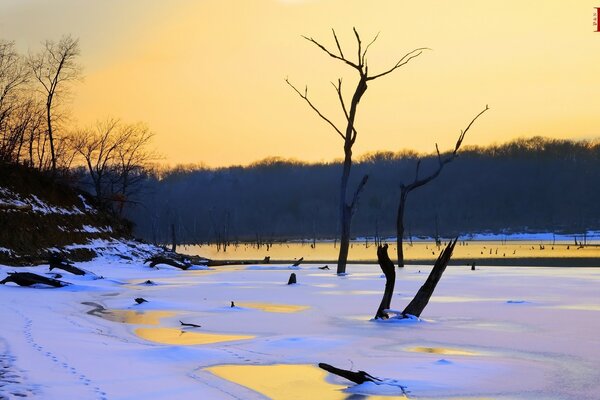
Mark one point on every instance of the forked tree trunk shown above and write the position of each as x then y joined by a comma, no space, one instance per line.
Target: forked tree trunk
418,304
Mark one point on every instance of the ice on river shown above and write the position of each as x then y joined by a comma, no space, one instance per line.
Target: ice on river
494,333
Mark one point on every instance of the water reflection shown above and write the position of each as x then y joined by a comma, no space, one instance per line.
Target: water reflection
422,250
288,381
447,351
149,317
179,337
274,308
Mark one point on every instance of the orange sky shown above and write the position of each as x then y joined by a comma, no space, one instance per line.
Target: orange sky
208,76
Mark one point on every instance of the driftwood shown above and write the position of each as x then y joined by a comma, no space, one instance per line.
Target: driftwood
188,324
324,267
57,261
297,263
219,263
163,259
387,266
419,302
356,377
29,278
292,279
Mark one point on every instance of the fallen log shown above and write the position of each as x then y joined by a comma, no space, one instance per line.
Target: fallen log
387,266
220,263
419,302
162,259
57,261
29,278
297,263
356,377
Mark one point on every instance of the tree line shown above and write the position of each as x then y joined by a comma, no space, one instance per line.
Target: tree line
108,158
534,184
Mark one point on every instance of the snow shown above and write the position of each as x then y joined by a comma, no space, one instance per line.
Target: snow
502,333
33,203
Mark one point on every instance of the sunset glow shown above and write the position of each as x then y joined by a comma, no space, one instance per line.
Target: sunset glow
208,76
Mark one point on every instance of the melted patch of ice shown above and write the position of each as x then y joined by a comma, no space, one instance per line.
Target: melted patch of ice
180,337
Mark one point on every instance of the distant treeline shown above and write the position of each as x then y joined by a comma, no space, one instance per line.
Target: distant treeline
532,184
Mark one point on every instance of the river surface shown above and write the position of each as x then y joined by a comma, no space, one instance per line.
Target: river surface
424,251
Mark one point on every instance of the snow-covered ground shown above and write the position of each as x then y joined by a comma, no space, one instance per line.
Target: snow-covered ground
494,333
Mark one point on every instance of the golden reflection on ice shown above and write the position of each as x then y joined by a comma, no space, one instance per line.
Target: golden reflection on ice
274,308
443,351
286,381
136,317
579,307
147,317
179,337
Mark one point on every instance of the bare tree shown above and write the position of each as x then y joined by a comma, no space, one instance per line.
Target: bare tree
348,208
132,159
54,67
419,182
13,77
98,147
116,156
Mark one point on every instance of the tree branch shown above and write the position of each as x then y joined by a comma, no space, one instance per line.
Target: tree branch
359,189
341,58
305,97
442,162
403,61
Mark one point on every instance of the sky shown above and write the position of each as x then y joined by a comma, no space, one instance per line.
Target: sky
208,76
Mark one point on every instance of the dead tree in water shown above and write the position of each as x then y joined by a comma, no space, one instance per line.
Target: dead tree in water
387,266
421,299
348,134
418,182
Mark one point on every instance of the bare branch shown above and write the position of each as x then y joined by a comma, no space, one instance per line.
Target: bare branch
341,58
337,43
463,133
359,46
356,196
364,55
338,89
305,97
442,162
403,61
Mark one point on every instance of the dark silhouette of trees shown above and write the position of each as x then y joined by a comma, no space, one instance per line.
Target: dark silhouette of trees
116,156
418,182
347,206
53,68
526,185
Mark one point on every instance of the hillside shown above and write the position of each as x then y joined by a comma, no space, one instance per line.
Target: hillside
38,215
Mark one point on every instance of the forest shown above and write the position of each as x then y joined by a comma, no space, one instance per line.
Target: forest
530,185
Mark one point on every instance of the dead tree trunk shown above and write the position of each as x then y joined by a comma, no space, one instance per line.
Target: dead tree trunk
417,183
173,239
419,302
387,266
349,133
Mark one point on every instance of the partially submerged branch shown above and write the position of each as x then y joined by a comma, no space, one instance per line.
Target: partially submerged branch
356,377
421,299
